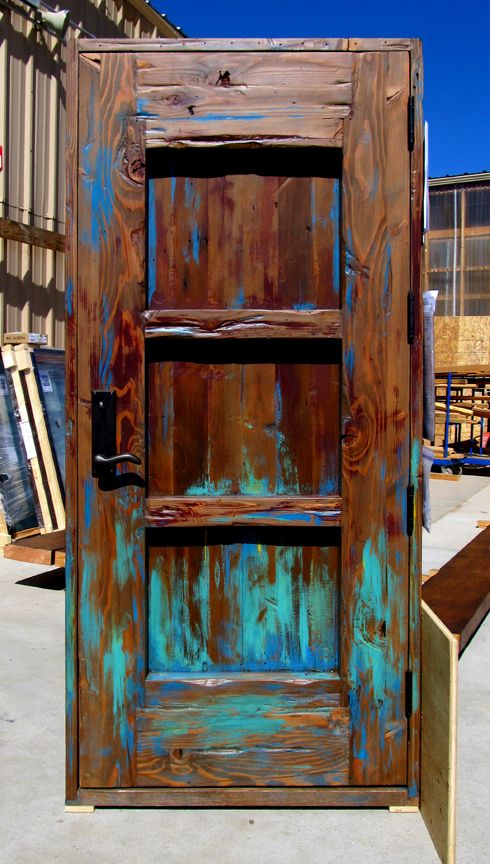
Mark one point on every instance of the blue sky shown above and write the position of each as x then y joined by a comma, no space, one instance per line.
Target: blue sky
456,55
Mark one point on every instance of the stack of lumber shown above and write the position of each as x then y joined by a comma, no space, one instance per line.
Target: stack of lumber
35,382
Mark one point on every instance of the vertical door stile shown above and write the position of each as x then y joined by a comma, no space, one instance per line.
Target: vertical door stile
376,417
111,238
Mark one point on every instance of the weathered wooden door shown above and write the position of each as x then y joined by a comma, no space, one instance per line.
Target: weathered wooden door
242,618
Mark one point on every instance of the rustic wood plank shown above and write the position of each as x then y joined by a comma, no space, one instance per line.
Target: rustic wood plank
315,691
416,411
377,796
71,478
367,44
375,417
310,124
242,510
196,44
269,237
243,324
439,733
242,601
459,594
259,742
111,279
225,143
31,235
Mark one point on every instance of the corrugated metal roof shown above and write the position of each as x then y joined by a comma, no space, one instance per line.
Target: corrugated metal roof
451,179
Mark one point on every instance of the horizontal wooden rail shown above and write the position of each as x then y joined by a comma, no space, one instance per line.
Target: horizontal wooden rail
194,512
243,323
32,236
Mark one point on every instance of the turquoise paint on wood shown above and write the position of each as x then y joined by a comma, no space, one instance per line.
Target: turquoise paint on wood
250,607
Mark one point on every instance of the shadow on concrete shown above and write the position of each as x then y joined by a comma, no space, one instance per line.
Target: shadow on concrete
53,580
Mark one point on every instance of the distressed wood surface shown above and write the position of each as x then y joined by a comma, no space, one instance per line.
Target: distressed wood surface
71,475
373,796
374,618
243,601
194,511
257,235
307,693
242,324
253,94
239,229
189,44
219,425
111,272
31,235
416,411
254,743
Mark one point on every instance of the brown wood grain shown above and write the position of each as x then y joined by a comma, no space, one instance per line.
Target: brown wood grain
245,230
374,628
380,796
31,235
305,748
416,408
242,510
204,45
296,690
242,324
111,272
459,593
71,476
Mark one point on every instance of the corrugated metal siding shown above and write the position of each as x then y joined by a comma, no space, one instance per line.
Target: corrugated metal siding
32,136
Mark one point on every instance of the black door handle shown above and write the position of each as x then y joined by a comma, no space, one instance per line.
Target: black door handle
104,456
112,461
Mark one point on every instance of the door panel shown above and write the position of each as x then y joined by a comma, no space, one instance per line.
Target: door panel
217,426
243,229
243,597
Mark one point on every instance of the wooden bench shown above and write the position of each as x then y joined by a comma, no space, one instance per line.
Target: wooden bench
454,603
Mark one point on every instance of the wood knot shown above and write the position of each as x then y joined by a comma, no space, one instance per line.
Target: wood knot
223,79
358,437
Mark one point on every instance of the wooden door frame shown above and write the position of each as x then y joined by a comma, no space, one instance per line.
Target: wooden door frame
77,414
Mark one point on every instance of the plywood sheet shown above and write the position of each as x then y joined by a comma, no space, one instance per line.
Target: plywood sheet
438,745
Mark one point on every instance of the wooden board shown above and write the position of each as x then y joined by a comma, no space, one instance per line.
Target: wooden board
438,744
41,549
460,592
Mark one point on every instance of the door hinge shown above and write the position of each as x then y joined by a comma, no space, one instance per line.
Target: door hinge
408,693
410,317
410,508
411,123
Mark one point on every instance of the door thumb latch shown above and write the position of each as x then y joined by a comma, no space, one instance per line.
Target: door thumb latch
104,456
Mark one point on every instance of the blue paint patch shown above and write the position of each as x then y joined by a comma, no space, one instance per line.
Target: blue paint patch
212,118
195,244
173,186
69,298
334,217
142,110
304,307
349,360
89,502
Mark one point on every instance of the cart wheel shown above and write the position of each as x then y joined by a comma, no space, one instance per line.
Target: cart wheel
457,469
446,469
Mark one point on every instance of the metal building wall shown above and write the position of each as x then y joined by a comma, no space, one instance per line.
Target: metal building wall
32,142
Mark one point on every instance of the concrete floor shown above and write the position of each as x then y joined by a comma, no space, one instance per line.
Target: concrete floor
35,830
